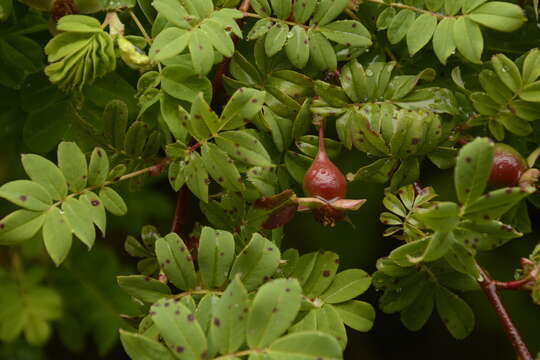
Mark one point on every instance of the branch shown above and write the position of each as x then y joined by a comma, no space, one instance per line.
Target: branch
180,212
490,289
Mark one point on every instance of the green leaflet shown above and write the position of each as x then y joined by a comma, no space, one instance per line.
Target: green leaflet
443,39
420,32
326,320
243,105
358,315
181,82
507,71
348,33
275,39
415,316
256,262
45,173
170,42
180,329
202,53
57,235
72,163
309,345
346,285
221,167
175,260
98,169
274,308
20,225
472,169
297,46
469,40
322,52
455,313
495,203
229,318
95,209
243,146
215,256
112,201
144,288
143,348
27,194
400,25
194,173
442,216
499,16
322,275
80,220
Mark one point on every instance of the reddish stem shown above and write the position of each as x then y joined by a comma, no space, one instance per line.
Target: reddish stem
514,285
194,147
245,6
180,212
490,289
322,149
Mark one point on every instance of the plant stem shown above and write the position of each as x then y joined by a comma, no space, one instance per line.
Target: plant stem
245,6
140,26
154,169
180,212
490,289
409,7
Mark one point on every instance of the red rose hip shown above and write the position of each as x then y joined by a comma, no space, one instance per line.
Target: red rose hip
507,168
323,179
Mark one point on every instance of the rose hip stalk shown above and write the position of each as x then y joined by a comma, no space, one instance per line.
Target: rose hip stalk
323,179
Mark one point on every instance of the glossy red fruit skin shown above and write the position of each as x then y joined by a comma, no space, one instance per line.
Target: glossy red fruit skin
323,179
507,167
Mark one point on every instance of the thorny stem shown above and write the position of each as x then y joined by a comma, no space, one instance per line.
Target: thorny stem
140,26
490,289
